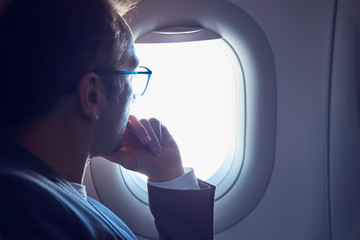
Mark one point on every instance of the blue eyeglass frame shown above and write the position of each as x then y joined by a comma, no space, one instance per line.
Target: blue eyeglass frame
146,71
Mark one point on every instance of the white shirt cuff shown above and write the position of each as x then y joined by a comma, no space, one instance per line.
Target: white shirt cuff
187,181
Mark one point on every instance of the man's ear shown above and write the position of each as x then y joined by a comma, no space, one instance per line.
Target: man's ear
91,96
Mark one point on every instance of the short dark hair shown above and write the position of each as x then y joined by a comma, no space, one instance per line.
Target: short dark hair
45,48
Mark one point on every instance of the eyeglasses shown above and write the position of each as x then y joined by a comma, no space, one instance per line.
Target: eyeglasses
139,78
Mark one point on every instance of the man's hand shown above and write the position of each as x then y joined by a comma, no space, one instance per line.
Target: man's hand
148,148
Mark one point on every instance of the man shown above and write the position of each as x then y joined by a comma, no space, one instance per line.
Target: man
65,96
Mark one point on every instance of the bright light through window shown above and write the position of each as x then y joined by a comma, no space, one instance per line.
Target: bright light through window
192,91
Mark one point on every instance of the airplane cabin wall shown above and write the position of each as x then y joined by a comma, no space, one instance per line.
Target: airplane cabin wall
344,124
295,205
314,191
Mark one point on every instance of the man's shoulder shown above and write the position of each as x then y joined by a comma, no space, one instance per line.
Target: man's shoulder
23,185
29,207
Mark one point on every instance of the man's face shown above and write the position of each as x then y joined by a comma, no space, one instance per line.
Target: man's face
112,123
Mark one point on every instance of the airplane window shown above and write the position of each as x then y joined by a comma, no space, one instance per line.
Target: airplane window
193,92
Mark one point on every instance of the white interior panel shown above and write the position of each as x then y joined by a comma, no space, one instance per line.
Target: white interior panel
295,205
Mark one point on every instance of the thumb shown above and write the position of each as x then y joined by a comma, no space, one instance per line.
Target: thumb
123,158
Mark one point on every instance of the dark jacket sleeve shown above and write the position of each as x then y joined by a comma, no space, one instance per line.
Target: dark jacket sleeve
183,214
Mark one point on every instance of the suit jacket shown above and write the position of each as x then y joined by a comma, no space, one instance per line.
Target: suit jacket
36,203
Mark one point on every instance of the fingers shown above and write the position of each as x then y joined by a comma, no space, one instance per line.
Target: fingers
154,144
167,139
156,125
138,130
147,131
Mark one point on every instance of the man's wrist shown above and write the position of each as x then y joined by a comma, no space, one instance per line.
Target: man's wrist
187,181
168,176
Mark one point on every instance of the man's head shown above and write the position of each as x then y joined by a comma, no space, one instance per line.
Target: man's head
46,47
